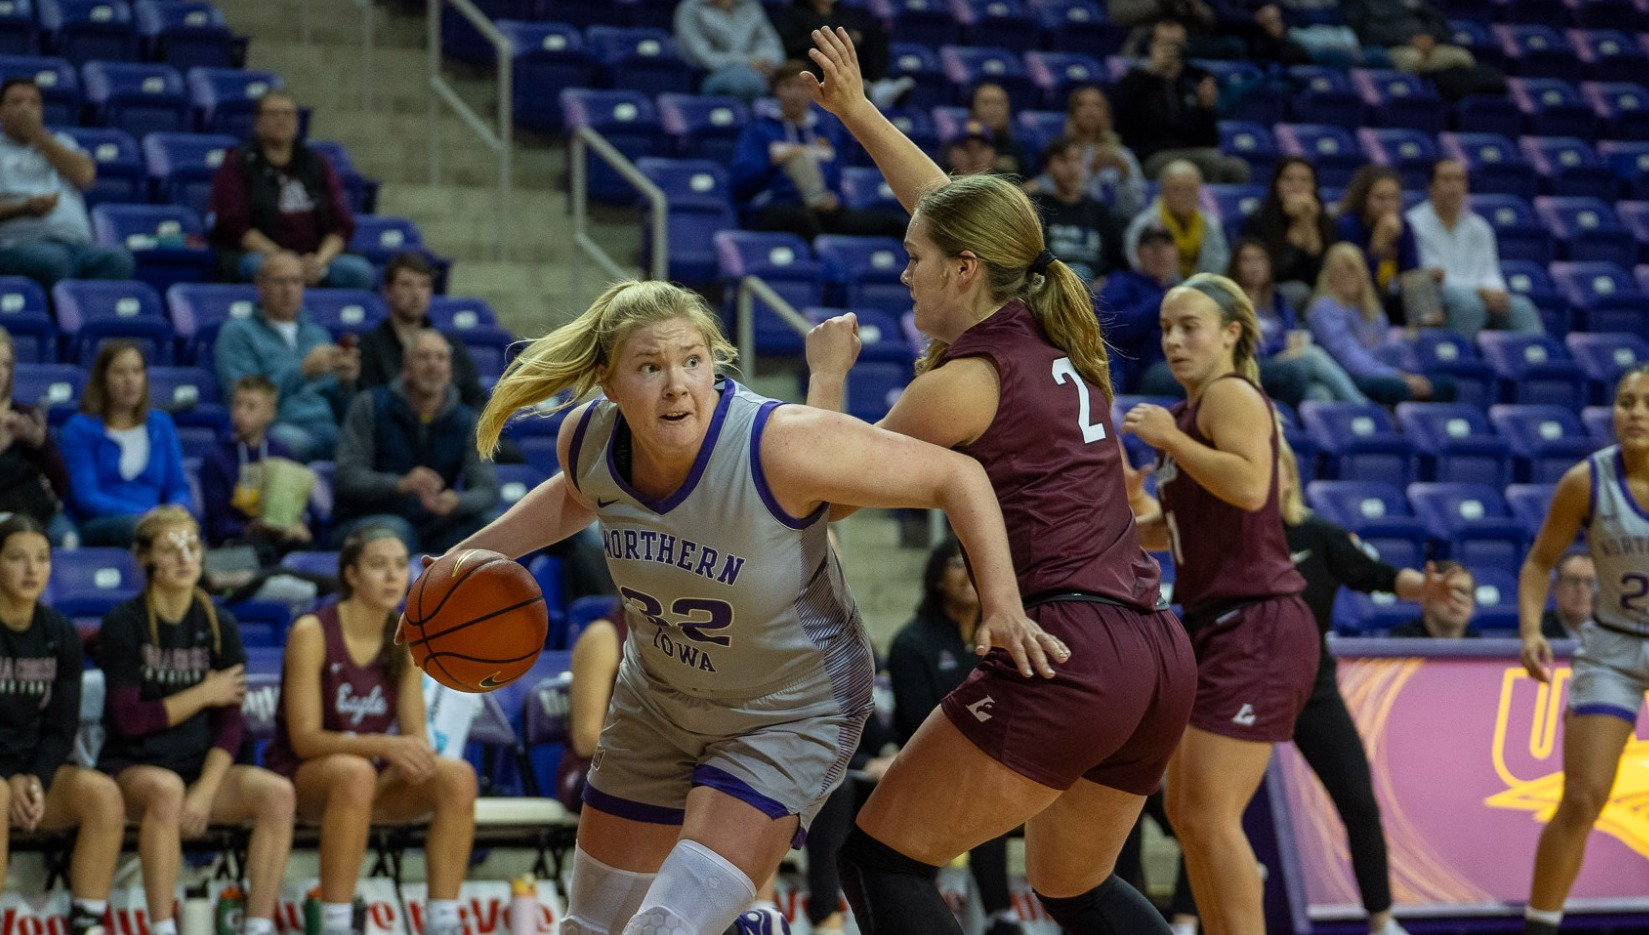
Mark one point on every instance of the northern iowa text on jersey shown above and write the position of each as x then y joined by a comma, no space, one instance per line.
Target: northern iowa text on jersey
647,545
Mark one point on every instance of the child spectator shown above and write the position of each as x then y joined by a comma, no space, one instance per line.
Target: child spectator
40,669
231,477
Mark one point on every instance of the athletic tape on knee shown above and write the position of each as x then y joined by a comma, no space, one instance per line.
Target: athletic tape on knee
697,892
602,898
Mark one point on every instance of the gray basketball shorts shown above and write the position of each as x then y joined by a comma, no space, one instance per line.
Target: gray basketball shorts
782,753
1610,673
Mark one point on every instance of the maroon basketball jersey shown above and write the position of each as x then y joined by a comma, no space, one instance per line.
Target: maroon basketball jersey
1223,554
355,699
1053,458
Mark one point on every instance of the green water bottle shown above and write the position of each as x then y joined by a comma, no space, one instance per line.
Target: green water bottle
231,910
312,912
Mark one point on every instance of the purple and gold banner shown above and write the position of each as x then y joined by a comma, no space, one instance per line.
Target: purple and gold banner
1466,755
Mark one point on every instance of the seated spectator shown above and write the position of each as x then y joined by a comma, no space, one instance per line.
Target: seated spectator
1197,234
1110,173
931,655
1200,18
409,281
972,151
34,481
274,194
231,477
1448,619
123,455
405,450
350,735
733,41
1292,368
314,376
1574,588
1129,308
1294,225
1260,26
1346,319
787,169
1078,227
39,715
595,667
1414,33
1371,219
991,107
1457,242
1168,110
45,233
795,24
175,674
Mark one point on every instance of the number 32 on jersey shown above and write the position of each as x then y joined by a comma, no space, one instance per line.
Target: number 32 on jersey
1065,372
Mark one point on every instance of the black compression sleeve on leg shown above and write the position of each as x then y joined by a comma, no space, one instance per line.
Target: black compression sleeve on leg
891,894
1111,908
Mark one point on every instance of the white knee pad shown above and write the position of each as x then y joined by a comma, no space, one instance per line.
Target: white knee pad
697,892
602,898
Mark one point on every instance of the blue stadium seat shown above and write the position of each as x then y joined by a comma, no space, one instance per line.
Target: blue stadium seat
1447,350
138,97
1006,23
462,42
191,395
26,317
1630,160
198,310
449,312
1603,14
1553,107
1533,368
261,623
91,581
1608,55
19,32
1635,215
1324,95
1536,51
181,166
1519,233
864,187
967,67
1358,440
1057,74
1399,99
638,58
1587,230
628,121
920,63
185,34
1603,296
1252,143
345,311
1486,113
90,311
1377,512
380,238
1603,356
1495,590
1473,35
1455,443
57,80
360,191
925,22
1371,615
702,126
1531,281
545,57
85,30
1600,424
120,171
1078,26
1545,440
516,481
312,562
1622,106
786,263
1471,523
1331,149
1569,167
1411,152
1232,204
916,123
1530,502
864,272
225,99
168,241
53,387
699,199
1253,95
1494,164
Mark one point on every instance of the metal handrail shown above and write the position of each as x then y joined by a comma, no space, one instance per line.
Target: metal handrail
584,142
501,142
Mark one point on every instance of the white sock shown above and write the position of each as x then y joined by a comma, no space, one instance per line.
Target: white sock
258,927
600,898
95,907
163,927
335,918
443,915
698,892
1541,915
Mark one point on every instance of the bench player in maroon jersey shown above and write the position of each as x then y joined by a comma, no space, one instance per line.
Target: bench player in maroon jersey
1016,376
1255,639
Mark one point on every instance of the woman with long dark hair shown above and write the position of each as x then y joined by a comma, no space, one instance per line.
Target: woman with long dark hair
1294,225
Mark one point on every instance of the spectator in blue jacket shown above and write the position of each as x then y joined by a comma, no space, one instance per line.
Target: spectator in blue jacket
405,452
124,458
1129,308
315,376
787,168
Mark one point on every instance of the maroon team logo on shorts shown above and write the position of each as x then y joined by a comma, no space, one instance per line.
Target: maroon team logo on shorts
981,709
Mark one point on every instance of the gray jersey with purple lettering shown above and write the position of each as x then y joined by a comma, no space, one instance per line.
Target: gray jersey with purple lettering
725,594
1617,533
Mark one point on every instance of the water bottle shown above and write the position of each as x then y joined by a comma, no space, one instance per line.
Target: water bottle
312,912
523,905
231,910
357,917
197,911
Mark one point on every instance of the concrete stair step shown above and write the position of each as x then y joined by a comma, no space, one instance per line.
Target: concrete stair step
332,23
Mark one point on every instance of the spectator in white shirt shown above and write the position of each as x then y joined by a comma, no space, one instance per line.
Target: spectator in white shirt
1461,244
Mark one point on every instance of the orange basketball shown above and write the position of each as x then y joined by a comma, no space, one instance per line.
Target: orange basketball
476,621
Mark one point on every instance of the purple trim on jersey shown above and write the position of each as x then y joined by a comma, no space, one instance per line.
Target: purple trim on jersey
1625,489
1630,717
760,476
722,781
706,449
578,444
1591,494
635,811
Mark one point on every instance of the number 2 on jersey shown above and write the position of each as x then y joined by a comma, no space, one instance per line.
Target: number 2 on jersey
1092,431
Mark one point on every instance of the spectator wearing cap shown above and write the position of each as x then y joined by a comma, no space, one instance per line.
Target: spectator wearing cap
971,150
1078,227
1129,309
787,169
1201,243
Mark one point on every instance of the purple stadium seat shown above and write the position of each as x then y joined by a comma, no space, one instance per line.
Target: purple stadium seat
1544,440
185,34
198,310
1630,160
1603,296
87,30
1530,503
1587,230
1078,26
864,272
922,22
138,97
1449,351
168,241
1553,107
1608,55
1056,74
26,317
1358,441
1603,14
1495,165
181,166
90,311
699,202
345,311
1471,522
967,67
1569,167
91,581
1006,23
920,63
545,57
628,121
1536,51
1252,142
1331,149
702,126
1530,280
1455,443
57,80
1622,106
786,263
1399,99
1600,424
1533,368
226,98
1377,512
1604,356
120,172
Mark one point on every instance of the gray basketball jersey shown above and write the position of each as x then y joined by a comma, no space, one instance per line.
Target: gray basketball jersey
1617,531
726,596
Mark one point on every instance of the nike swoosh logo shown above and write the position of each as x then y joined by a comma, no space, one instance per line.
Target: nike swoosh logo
1298,557
603,504
490,682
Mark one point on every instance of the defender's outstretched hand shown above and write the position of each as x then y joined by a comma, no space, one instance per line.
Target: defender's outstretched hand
843,87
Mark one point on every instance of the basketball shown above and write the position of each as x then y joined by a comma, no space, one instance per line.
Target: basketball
475,621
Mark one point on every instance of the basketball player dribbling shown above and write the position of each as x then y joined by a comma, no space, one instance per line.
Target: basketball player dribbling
1255,639
1016,377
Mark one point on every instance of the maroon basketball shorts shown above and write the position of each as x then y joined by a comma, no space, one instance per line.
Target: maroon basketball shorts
1256,665
1112,714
